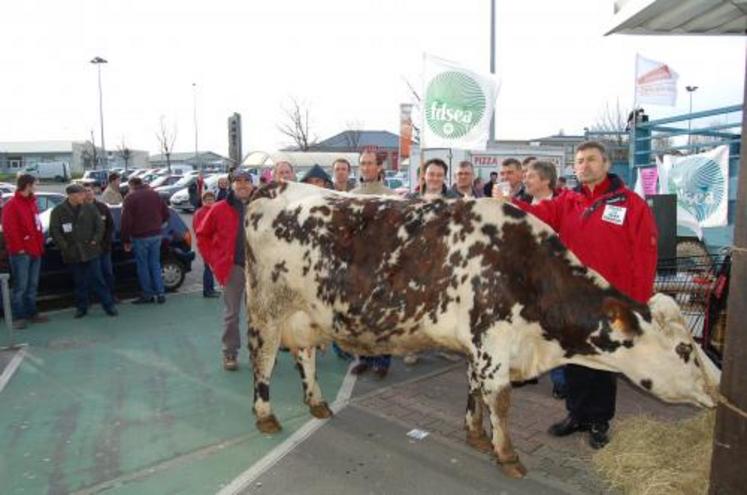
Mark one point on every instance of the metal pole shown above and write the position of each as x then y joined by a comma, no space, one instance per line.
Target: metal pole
8,311
194,111
690,121
728,474
492,63
101,118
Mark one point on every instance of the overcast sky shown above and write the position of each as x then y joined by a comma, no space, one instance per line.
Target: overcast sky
346,60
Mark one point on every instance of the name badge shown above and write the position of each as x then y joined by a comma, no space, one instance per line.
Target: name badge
67,227
614,214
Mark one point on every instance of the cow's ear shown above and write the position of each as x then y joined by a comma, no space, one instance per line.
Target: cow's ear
665,312
620,316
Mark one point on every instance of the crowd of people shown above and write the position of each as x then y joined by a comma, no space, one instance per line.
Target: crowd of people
604,223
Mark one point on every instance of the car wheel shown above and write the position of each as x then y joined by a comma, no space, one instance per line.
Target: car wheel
173,274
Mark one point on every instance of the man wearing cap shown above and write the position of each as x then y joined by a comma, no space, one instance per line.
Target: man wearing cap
111,194
78,230
221,240
143,214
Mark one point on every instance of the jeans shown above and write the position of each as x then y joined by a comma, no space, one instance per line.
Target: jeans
557,375
25,271
378,362
208,283
86,276
107,270
148,259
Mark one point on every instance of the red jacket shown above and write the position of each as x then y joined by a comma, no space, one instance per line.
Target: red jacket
21,226
199,216
216,238
611,230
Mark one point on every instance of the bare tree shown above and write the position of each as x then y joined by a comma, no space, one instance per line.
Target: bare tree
124,152
611,123
166,138
353,134
296,126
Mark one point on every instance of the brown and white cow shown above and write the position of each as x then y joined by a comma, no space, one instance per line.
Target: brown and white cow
383,275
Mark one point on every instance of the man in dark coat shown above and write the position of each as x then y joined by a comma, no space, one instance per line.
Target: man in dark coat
77,229
105,260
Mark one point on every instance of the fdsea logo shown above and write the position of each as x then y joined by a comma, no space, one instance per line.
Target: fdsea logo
454,104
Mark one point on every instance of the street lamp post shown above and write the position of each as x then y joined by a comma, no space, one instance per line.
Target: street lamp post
194,117
98,61
690,91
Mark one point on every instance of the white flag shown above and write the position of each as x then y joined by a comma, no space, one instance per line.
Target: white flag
655,82
457,107
701,183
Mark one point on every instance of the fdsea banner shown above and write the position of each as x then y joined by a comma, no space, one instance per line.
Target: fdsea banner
457,107
701,183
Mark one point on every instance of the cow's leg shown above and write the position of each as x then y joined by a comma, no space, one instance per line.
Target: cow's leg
498,400
263,349
312,394
473,422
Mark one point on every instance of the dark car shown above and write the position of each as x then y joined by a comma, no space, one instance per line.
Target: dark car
176,258
167,191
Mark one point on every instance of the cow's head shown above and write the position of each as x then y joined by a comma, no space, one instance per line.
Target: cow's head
662,356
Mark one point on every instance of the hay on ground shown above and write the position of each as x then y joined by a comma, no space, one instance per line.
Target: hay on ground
647,456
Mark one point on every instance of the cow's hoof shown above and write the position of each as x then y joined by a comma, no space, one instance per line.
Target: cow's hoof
320,411
480,441
513,469
268,424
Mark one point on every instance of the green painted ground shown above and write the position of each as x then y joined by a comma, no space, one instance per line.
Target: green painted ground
142,400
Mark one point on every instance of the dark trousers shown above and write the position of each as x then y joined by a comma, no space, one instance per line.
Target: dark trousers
591,393
87,276
378,362
208,282
107,270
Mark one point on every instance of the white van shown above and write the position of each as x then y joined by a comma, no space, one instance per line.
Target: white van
59,171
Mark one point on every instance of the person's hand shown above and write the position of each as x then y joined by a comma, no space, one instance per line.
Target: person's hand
22,251
93,243
497,192
127,247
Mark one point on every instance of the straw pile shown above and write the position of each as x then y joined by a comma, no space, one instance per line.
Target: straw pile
647,456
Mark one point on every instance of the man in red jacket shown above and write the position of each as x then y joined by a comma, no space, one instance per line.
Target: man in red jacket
220,239
611,230
24,241
143,214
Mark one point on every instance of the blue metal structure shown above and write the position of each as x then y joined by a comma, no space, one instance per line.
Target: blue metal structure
668,136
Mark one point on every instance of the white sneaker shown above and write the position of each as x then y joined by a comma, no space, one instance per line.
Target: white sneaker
410,359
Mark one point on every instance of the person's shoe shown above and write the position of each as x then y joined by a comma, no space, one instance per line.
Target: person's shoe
410,359
39,318
566,427
598,437
19,324
559,392
161,299
211,294
519,384
80,313
230,363
359,369
143,300
116,300
111,311
381,372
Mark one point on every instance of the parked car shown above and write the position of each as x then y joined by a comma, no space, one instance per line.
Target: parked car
180,199
97,179
44,200
167,191
6,187
55,279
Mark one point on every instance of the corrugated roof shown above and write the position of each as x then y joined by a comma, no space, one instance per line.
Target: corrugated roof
360,139
187,155
26,147
711,17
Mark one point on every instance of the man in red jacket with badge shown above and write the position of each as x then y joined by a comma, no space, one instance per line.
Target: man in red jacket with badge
220,238
611,230
24,241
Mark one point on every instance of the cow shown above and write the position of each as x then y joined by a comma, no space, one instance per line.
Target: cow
384,275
